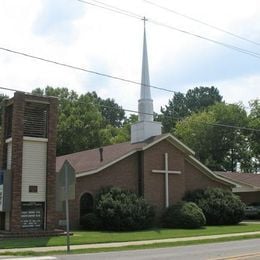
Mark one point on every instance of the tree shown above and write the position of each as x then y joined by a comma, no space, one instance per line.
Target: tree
220,148
112,113
183,105
200,98
254,136
79,120
197,131
86,121
173,112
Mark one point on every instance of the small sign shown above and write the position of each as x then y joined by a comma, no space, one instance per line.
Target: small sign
32,215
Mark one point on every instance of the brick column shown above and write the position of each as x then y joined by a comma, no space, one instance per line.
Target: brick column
51,165
17,159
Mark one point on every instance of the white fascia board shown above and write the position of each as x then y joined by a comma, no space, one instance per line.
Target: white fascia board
82,174
196,163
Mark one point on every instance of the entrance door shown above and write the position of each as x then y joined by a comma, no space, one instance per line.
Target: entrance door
86,204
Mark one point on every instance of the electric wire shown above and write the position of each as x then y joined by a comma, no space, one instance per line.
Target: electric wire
171,117
202,22
256,55
137,16
83,69
111,8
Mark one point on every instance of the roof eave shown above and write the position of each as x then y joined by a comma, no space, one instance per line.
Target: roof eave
196,163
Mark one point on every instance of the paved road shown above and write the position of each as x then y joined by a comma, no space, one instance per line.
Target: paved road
250,249
237,250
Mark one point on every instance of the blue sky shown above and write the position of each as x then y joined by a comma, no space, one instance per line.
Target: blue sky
83,35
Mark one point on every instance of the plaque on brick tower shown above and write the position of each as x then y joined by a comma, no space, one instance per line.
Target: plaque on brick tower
32,215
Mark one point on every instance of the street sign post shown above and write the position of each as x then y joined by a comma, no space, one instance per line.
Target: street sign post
67,180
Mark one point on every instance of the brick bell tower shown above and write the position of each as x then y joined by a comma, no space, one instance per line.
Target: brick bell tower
27,163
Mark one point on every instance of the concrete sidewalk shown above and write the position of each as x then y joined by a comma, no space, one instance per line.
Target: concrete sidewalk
123,244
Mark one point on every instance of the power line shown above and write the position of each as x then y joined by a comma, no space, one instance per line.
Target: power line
137,16
201,22
256,55
83,69
229,46
111,8
171,117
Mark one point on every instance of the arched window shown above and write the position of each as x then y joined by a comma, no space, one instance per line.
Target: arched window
86,204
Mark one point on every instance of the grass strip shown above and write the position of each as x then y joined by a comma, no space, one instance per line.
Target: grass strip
132,247
94,237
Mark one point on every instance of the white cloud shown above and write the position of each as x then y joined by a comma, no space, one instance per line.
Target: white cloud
110,43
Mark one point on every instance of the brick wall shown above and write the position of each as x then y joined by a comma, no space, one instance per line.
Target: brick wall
154,183
123,174
249,197
195,179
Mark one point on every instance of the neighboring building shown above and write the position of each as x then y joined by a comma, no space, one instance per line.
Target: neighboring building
28,152
247,185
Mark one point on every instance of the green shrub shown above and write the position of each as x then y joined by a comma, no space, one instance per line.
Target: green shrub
91,221
123,210
220,207
183,215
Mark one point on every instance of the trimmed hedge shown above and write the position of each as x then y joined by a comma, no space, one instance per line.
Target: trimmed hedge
91,221
183,215
123,210
220,207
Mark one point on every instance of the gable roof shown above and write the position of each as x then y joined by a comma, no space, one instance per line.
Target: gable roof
251,180
88,162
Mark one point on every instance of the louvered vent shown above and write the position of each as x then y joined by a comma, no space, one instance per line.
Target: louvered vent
35,120
9,118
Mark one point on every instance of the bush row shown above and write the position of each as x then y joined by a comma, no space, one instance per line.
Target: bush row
120,210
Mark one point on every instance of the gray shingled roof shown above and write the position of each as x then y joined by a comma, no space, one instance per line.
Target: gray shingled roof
251,179
90,159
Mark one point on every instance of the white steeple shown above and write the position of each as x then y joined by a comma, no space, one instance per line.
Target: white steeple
145,127
145,103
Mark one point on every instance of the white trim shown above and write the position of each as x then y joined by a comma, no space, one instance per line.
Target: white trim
37,101
8,140
175,142
163,171
28,138
196,163
245,189
35,139
82,174
189,157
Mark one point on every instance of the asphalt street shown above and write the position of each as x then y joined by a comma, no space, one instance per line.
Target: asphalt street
236,250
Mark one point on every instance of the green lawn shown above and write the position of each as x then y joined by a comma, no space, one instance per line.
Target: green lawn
89,237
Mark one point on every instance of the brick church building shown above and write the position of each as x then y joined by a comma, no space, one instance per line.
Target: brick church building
154,165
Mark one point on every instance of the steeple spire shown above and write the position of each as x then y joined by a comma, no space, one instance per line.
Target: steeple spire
145,103
145,127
